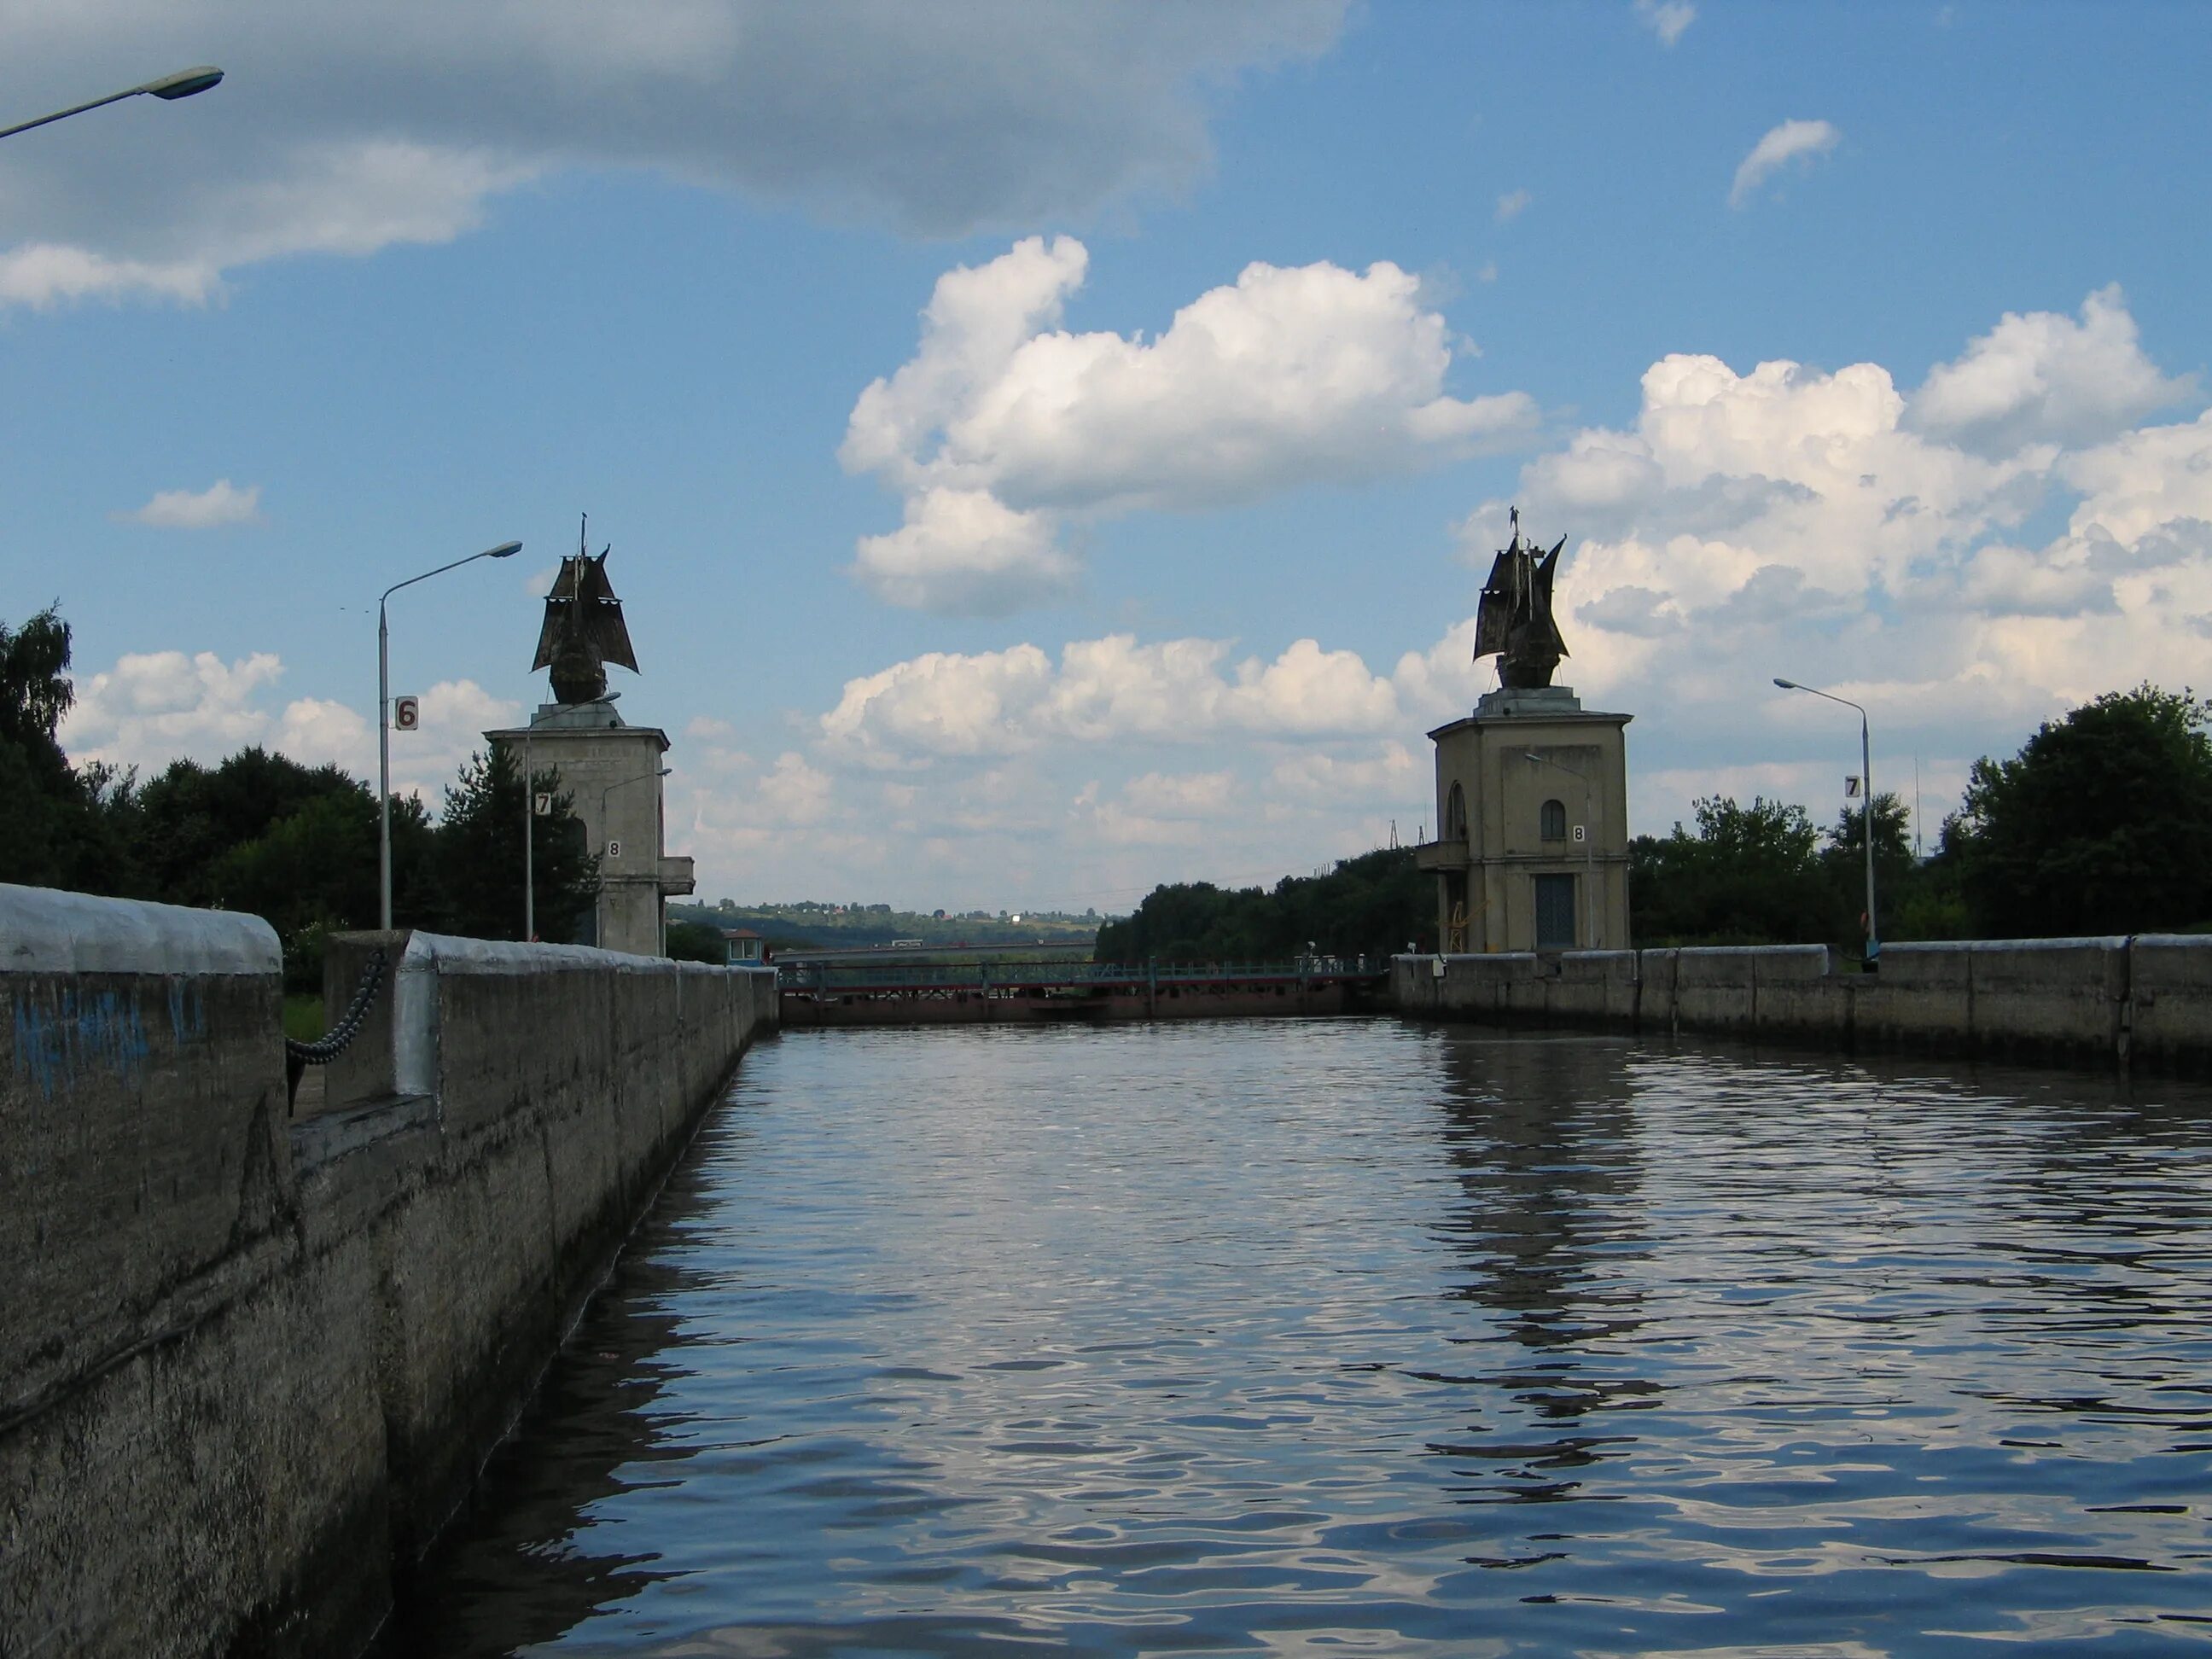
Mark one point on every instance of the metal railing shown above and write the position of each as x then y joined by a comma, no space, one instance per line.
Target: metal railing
298,1055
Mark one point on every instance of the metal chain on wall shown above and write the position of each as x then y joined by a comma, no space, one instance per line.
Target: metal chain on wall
298,1055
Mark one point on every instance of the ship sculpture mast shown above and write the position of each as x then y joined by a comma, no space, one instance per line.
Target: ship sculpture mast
584,629
1515,622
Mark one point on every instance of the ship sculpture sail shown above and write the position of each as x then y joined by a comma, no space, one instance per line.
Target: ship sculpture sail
583,630
1515,622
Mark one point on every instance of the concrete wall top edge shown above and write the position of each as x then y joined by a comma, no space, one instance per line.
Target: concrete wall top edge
2111,942
447,953
44,930
1754,950
1521,956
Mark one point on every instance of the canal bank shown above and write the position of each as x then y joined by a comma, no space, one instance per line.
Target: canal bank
250,1363
2141,1000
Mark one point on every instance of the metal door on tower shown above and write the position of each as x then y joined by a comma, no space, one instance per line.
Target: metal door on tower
1555,913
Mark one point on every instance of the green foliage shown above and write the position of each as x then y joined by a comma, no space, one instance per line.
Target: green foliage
480,854
191,819
2102,824
1751,875
1369,906
695,941
35,692
55,830
260,833
1844,860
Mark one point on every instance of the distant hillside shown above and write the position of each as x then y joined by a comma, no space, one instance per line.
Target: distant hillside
830,926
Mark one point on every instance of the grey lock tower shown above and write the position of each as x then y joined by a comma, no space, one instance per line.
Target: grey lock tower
613,770
1531,851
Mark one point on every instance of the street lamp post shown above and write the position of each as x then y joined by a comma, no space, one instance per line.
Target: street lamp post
170,87
504,551
1866,814
1590,834
529,848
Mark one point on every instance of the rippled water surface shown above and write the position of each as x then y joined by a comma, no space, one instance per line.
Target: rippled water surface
1355,1336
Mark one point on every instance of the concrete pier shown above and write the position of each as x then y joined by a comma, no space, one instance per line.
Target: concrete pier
2143,1000
249,1364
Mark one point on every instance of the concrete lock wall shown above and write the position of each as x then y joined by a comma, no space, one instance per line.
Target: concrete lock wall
249,1363
2144,999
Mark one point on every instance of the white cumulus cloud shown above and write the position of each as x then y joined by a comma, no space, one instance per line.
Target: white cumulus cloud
2042,376
1102,691
1667,18
1791,141
221,503
156,707
1831,526
965,551
1003,421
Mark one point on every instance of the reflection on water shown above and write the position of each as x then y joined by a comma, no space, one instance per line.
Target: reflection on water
1304,1336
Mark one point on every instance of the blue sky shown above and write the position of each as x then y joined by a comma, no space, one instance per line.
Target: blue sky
1152,557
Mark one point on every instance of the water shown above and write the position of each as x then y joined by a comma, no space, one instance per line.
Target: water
1349,1336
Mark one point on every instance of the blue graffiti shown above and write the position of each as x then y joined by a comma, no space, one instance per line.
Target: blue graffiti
99,1031
187,1011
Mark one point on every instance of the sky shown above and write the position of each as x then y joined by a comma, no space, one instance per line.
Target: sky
1049,450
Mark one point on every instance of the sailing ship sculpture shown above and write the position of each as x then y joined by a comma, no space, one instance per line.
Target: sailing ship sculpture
584,629
1515,622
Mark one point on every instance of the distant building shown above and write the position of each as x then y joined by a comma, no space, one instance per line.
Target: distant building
743,943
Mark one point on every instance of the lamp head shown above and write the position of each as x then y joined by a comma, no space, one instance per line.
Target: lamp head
1787,685
1530,754
504,551
184,82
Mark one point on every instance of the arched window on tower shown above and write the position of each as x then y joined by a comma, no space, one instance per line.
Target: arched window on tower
1455,815
1551,821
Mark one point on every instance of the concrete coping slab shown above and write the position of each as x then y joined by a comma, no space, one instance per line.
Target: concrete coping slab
1775,951
2003,947
45,931
447,953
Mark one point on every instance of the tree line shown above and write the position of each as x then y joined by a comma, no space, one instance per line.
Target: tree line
260,833
1370,906
2101,823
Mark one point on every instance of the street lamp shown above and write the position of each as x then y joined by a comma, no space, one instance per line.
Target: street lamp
183,84
1866,818
504,551
1590,834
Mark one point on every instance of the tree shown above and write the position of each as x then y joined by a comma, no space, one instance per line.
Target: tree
2102,824
1845,860
1369,906
58,825
695,941
191,819
1750,875
480,854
